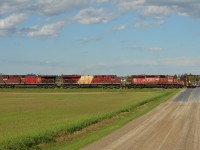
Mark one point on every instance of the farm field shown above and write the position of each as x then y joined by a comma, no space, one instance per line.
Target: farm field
31,116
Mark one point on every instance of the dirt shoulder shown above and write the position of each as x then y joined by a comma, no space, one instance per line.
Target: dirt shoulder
172,125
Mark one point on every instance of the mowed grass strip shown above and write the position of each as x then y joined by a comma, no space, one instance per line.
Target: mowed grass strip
29,119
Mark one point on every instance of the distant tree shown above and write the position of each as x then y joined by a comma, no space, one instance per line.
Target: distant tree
182,77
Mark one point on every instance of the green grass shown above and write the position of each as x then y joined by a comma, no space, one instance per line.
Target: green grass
133,113
28,119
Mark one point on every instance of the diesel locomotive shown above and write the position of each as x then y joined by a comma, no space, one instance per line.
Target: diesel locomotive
89,81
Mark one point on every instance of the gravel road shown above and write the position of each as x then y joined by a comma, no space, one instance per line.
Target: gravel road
174,125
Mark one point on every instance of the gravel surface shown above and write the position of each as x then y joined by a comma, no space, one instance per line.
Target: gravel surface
188,95
174,125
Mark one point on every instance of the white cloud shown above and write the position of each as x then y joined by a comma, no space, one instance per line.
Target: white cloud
130,5
88,12
8,25
93,16
12,21
144,24
173,62
11,6
174,65
182,61
90,39
180,7
158,8
157,12
46,30
101,2
120,28
55,7
156,49
170,62
139,63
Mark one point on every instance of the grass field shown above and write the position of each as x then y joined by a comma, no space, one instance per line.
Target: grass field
33,116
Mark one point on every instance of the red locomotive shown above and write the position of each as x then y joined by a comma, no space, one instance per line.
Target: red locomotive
153,81
105,81
82,81
7,81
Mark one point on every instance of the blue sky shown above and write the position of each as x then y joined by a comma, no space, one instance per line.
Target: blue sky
99,37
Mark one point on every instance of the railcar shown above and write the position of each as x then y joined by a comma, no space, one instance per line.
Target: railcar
107,81
70,81
192,81
81,81
89,81
153,81
10,81
46,81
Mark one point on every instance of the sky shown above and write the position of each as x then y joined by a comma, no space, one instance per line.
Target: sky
89,37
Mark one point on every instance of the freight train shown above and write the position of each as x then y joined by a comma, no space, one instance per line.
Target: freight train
192,81
89,81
